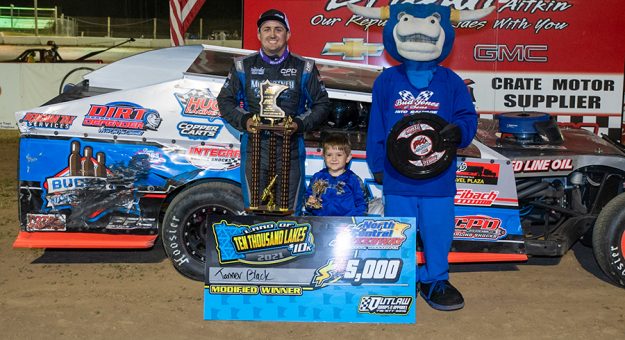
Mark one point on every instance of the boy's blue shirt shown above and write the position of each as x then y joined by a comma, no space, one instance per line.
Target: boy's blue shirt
344,195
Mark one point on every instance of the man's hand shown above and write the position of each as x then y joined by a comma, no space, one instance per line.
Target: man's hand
249,125
451,134
378,177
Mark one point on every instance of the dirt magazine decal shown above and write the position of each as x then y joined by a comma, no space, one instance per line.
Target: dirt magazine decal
320,269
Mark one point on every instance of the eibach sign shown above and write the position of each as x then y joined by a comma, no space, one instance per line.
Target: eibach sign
561,57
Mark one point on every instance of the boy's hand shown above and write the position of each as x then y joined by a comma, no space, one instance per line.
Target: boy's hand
313,203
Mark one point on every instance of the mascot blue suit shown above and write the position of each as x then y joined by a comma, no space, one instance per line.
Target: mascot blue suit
420,37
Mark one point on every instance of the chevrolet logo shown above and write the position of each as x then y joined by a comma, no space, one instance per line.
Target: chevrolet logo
353,49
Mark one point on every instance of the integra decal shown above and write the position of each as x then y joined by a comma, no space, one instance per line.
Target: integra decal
198,103
478,227
122,118
263,243
477,173
214,157
198,131
47,121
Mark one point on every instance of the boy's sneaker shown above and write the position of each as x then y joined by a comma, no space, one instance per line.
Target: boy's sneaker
441,295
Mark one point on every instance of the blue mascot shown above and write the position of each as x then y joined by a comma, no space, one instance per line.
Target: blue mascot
420,37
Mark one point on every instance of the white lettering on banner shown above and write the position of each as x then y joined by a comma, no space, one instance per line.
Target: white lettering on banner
332,5
533,6
319,19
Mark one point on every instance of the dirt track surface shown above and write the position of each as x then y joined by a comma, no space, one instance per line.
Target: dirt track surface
138,294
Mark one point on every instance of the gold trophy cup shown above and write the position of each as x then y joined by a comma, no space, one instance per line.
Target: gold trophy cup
271,121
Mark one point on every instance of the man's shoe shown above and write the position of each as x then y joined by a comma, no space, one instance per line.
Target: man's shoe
441,295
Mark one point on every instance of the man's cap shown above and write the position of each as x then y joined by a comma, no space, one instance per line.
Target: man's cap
273,14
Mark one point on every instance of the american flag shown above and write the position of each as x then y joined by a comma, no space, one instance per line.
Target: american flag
181,15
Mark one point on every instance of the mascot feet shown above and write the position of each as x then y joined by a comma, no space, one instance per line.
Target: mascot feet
441,295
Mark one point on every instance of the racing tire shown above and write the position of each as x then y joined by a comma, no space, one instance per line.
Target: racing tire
608,240
184,228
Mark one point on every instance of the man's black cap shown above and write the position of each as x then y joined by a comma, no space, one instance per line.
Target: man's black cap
273,14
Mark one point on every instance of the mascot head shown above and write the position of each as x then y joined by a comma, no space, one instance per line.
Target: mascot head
421,33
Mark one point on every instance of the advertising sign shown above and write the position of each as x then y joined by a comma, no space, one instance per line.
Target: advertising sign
320,269
560,57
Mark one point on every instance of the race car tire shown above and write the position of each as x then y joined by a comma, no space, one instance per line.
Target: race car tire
608,240
184,231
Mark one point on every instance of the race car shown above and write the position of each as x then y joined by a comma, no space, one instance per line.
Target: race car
138,151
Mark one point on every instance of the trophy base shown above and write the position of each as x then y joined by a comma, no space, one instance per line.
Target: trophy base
264,210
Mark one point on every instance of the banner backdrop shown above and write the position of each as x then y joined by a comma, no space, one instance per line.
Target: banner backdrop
561,57
24,85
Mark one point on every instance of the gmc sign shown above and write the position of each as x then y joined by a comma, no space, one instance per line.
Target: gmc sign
527,53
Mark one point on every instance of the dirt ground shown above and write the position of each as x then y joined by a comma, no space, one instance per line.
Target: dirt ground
138,294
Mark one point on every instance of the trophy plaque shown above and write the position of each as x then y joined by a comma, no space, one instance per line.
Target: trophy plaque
272,126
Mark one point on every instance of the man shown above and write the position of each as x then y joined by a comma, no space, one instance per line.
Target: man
306,100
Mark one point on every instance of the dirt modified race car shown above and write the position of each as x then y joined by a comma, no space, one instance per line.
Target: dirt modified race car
138,151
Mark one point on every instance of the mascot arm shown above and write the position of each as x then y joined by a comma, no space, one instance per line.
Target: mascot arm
376,132
465,115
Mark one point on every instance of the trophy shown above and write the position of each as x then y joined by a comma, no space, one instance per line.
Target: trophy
271,121
318,188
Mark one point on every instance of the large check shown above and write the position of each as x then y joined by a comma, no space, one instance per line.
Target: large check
338,269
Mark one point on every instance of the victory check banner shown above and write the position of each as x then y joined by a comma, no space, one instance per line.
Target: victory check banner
321,269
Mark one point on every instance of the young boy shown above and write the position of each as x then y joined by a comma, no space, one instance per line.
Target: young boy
336,190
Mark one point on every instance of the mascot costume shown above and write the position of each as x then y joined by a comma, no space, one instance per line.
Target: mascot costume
420,113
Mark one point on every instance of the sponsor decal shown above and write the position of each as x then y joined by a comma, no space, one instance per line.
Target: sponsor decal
477,173
125,222
259,71
47,120
198,130
421,103
388,305
470,197
122,118
214,157
262,243
288,72
154,157
198,103
353,49
542,165
373,234
45,222
478,227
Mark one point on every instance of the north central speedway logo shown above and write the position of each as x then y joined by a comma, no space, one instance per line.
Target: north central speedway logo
375,304
375,234
262,243
48,120
122,118
198,103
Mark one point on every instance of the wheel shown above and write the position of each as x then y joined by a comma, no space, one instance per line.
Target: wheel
184,228
608,239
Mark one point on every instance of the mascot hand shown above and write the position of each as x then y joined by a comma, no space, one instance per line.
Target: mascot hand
378,177
451,134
